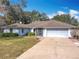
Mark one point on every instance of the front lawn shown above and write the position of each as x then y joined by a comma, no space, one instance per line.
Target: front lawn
11,47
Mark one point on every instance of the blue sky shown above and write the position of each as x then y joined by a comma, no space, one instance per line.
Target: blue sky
51,6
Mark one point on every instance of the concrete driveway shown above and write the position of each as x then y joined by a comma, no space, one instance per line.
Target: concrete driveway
52,48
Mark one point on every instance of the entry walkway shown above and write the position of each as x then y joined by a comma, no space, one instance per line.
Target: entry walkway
52,48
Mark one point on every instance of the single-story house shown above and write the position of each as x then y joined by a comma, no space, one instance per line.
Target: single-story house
50,28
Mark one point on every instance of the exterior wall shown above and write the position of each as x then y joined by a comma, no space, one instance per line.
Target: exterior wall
15,31
44,32
6,30
24,31
21,32
69,32
18,31
72,32
32,30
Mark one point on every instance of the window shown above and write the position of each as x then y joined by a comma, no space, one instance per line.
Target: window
11,30
22,30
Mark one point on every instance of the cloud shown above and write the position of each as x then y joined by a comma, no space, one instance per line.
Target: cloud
77,17
57,13
73,13
52,15
60,12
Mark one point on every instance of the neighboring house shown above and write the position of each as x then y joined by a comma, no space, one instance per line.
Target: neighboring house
50,28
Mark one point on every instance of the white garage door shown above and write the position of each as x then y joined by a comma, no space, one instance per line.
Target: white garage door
57,33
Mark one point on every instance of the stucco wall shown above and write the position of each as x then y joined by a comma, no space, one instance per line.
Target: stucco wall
6,30
15,31
18,31
24,31
44,32
21,31
70,32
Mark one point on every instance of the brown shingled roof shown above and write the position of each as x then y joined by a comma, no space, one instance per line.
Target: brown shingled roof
50,24
42,24
15,25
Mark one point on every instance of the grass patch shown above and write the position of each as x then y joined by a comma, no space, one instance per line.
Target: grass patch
12,47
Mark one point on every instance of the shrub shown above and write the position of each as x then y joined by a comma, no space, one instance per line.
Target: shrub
8,34
31,34
26,34
1,34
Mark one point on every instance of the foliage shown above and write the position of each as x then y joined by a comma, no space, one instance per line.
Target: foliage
76,34
8,34
31,34
13,11
5,2
37,16
12,16
67,19
21,3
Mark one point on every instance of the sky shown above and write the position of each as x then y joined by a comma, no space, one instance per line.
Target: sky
50,6
54,7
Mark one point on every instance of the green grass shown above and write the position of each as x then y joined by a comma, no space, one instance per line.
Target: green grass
12,47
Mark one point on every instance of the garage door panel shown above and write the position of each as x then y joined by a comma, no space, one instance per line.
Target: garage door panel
57,33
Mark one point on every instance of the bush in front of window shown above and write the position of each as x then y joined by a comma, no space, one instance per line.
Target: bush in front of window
31,34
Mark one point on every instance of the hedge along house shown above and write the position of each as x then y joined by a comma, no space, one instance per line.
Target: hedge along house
50,28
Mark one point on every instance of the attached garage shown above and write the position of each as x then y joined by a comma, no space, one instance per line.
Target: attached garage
52,32
57,33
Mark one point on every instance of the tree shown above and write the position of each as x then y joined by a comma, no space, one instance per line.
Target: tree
12,16
37,16
44,17
66,18
13,12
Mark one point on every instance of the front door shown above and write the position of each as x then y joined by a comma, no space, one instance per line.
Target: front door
39,32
